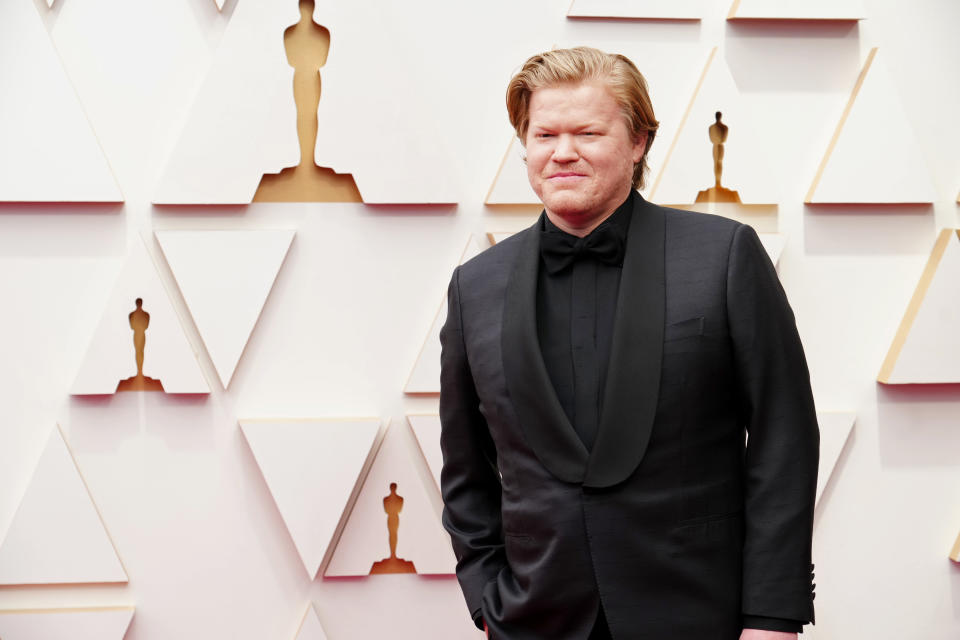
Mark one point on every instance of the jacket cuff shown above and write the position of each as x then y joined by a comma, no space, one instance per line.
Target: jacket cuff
772,624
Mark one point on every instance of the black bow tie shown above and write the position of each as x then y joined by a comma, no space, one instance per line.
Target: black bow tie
559,249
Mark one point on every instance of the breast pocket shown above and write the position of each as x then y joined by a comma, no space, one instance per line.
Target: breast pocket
692,327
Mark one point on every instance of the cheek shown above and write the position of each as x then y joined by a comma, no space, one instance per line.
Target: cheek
533,171
536,160
619,165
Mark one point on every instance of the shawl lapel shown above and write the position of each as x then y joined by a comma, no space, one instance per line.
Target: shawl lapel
542,419
633,378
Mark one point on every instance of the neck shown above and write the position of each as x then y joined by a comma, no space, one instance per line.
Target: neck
575,230
582,229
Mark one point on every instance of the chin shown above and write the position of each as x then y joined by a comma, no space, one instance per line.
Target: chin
572,209
565,201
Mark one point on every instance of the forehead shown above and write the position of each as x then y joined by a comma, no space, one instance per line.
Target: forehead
569,103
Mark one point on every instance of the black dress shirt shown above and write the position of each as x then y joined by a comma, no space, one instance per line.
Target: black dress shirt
576,307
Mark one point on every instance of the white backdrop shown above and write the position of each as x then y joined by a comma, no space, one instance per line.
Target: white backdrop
176,484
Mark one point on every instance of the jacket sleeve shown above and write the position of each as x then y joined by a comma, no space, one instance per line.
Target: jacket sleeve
783,444
469,480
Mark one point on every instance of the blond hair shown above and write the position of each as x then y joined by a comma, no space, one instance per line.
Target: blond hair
583,64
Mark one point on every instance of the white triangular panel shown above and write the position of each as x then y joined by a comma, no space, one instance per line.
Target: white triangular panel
57,536
926,349
425,377
225,278
774,244
835,430
688,163
427,430
671,72
797,10
168,355
856,166
510,185
404,110
638,9
312,468
50,3
219,4
499,236
107,623
242,123
420,538
48,152
310,627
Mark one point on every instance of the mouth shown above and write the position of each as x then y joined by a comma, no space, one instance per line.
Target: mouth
561,175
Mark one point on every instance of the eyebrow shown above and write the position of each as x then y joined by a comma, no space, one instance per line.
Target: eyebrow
582,127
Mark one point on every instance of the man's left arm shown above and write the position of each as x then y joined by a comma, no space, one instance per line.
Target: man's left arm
469,480
780,467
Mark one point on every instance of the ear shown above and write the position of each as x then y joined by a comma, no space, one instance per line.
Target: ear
639,147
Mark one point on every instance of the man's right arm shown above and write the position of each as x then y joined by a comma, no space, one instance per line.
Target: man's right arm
469,481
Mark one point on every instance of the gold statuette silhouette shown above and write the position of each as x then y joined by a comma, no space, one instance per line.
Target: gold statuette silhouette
307,44
139,321
718,136
393,505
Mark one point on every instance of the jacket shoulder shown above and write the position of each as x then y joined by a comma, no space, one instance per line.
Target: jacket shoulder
498,259
683,221
699,236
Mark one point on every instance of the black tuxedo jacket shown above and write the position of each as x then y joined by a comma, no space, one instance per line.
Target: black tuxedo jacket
673,520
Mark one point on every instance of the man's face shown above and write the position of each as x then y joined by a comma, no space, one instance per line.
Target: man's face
580,154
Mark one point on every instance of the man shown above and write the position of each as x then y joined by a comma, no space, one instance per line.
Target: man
600,373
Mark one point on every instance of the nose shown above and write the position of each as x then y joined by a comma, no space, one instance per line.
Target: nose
566,149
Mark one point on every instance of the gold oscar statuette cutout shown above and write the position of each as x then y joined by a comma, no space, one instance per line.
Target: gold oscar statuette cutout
393,505
718,136
139,321
307,44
